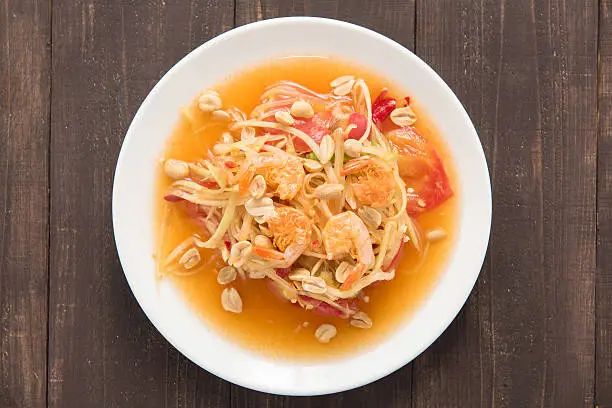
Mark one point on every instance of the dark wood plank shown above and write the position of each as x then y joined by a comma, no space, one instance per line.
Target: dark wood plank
395,19
24,201
392,391
106,56
603,312
457,369
526,71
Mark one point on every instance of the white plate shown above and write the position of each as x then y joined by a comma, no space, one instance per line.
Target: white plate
133,194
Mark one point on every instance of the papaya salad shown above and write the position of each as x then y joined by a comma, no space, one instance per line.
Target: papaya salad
318,193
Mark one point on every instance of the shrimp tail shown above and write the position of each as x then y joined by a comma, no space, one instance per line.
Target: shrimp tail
281,259
269,254
354,165
354,275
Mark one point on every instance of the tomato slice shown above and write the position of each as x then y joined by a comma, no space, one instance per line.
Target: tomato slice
422,170
316,127
360,122
172,198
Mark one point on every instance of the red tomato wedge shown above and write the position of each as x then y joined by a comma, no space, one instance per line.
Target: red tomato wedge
422,170
360,122
172,198
316,127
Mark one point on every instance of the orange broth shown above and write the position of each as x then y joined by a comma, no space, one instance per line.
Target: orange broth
268,324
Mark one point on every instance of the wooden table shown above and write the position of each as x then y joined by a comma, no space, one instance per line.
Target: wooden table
536,78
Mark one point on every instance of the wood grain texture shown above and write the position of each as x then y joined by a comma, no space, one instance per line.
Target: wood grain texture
395,19
603,313
457,370
24,183
526,72
107,55
537,330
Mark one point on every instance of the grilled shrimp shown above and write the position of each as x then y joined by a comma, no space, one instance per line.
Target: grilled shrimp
344,234
291,231
373,181
287,178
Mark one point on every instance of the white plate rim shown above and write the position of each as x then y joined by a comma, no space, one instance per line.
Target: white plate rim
462,292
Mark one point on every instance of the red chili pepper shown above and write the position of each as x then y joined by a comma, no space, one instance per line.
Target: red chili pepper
382,107
381,96
231,164
208,184
407,99
228,245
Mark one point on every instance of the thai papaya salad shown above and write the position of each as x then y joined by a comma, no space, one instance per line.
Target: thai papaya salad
316,192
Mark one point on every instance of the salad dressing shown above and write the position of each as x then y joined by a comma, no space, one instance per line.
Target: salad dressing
267,323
